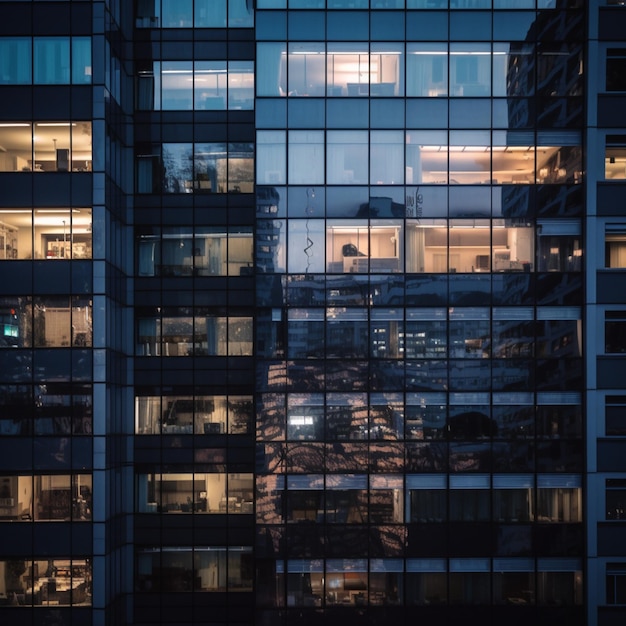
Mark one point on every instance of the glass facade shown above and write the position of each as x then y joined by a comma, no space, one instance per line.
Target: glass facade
316,314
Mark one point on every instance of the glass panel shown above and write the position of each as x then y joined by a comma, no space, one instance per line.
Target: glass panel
346,157
209,13
427,69
306,70
176,13
209,86
426,157
15,60
81,60
16,138
470,70
177,85
240,167
271,158
241,85
51,60
210,161
615,162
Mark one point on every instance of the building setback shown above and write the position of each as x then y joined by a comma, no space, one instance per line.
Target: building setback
312,311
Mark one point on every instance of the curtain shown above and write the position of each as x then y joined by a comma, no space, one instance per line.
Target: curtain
617,254
210,13
15,61
271,158
52,60
269,78
81,60
415,243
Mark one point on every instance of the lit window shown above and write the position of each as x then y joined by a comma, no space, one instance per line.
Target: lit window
615,246
615,157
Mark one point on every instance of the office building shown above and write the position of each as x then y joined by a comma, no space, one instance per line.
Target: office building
312,311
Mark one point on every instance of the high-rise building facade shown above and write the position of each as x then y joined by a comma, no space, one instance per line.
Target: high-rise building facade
312,311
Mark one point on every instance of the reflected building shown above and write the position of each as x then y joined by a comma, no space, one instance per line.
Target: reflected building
311,311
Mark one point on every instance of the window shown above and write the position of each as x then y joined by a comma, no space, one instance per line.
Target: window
615,416
54,146
615,332
209,251
559,499
559,245
559,582
615,157
194,493
45,60
46,497
196,168
186,331
469,498
616,69
615,246
616,583
199,569
208,415
427,499
615,494
194,13
62,322
201,86
45,580
63,409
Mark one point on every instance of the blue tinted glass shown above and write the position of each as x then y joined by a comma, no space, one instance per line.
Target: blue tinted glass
15,61
347,4
431,26
345,201
306,113
348,26
386,113
271,25
306,4
81,60
271,75
177,13
470,113
240,13
52,60
470,26
306,26
470,4
512,26
388,26
271,113
426,4
427,113
347,113
209,13
516,4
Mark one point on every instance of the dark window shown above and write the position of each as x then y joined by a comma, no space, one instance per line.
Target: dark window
615,332
615,416
615,498
616,69
616,583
